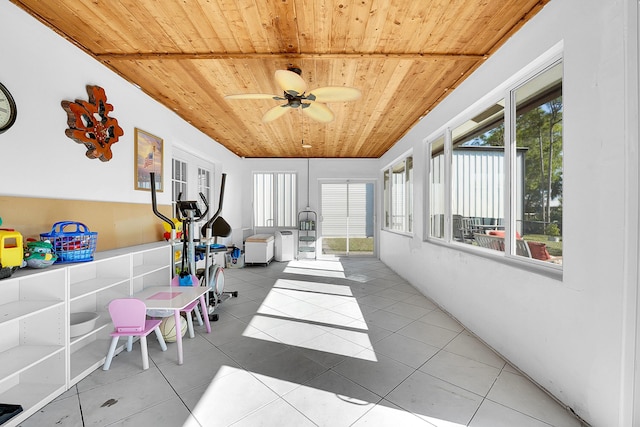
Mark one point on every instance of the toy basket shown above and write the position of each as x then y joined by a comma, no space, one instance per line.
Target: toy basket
72,241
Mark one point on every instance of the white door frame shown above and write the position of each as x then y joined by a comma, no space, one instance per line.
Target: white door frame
347,181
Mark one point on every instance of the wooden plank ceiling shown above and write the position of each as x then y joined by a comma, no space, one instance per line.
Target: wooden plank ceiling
404,55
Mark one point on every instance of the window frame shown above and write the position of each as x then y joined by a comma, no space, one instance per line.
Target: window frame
182,183
291,200
506,92
389,195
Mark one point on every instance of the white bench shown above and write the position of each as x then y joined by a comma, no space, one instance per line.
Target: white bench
259,249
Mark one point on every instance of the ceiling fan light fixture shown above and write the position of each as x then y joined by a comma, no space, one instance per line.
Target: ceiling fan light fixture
295,94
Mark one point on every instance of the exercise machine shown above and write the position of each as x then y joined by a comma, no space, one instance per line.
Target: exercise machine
211,275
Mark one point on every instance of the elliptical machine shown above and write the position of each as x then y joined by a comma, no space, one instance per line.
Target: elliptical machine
215,227
213,274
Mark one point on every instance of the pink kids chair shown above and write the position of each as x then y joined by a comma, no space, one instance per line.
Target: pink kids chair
190,280
129,320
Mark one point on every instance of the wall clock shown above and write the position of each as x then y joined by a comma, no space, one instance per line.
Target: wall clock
8,111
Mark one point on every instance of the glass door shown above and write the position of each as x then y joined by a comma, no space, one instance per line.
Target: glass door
347,218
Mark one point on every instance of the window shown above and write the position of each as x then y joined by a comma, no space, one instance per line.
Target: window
179,183
437,189
387,197
477,175
204,185
398,196
274,199
504,188
538,136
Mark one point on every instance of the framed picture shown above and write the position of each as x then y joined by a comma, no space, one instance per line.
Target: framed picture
149,158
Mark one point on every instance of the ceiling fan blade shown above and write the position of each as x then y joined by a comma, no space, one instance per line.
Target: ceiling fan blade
336,94
252,96
275,112
291,82
318,111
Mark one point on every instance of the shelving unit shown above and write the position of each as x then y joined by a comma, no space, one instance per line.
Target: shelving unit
33,337
91,287
307,233
38,358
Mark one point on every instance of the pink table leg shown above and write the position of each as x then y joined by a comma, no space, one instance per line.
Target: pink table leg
178,335
205,313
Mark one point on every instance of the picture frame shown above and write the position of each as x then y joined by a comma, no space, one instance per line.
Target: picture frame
149,157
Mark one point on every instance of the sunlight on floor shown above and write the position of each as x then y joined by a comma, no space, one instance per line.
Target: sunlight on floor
318,268
327,339
348,402
295,313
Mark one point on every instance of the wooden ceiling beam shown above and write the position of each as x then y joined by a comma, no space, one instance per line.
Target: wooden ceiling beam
183,56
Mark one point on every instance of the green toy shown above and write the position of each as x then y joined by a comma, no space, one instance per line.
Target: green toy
39,254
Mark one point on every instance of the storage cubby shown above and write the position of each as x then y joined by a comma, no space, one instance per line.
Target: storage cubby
35,386
160,277
151,260
89,278
88,351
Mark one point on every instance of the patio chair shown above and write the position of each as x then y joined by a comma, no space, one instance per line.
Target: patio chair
496,243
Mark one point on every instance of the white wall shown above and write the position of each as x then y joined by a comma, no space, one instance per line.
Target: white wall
310,172
569,335
41,69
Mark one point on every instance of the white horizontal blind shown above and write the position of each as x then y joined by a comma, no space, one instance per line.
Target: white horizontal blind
275,199
345,210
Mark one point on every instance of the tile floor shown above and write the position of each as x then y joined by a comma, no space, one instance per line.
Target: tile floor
336,342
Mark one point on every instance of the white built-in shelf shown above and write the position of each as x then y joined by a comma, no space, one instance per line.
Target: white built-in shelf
30,396
91,286
103,322
86,359
17,310
141,270
39,360
20,358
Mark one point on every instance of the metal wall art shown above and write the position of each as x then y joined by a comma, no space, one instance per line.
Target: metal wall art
90,124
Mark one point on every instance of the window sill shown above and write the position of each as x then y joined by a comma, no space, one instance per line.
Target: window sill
547,269
400,233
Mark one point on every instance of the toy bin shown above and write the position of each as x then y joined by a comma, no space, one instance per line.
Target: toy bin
71,241
235,259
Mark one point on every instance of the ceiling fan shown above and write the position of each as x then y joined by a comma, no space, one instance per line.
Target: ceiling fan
295,93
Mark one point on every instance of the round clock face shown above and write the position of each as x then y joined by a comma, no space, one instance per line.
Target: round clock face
8,110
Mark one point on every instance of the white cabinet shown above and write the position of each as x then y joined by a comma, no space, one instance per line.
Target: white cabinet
39,359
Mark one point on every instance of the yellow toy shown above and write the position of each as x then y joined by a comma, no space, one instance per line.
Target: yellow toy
11,251
167,228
